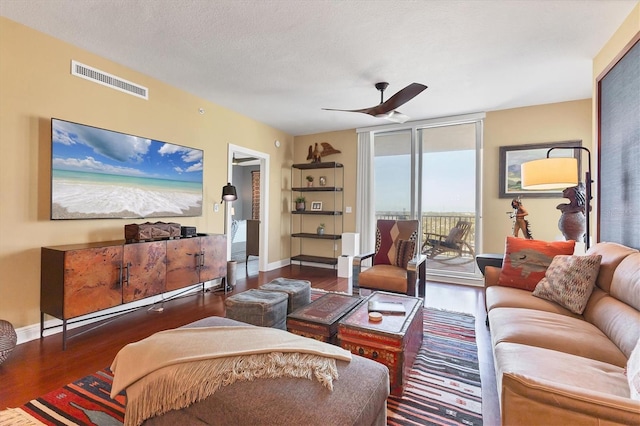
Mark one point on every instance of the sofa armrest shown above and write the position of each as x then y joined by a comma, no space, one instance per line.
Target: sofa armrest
416,274
357,268
491,275
357,260
527,401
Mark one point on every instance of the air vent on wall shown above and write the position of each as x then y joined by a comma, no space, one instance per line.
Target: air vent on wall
106,79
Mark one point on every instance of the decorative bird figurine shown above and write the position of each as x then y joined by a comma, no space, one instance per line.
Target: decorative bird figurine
316,153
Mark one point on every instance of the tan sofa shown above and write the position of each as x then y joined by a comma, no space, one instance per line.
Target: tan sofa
554,367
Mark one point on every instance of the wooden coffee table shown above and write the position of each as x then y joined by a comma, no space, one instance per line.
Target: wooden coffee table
319,319
394,341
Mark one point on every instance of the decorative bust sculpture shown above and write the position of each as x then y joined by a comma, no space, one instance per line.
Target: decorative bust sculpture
572,222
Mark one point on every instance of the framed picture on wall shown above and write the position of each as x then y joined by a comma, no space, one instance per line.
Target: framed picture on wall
512,157
316,205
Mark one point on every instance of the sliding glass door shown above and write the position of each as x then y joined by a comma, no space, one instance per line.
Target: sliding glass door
393,177
449,198
430,171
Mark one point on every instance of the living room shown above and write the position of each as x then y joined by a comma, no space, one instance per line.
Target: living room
37,86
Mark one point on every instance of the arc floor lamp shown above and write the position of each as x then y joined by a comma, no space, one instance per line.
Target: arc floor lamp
556,173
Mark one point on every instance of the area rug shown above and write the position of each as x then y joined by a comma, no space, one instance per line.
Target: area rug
444,384
443,388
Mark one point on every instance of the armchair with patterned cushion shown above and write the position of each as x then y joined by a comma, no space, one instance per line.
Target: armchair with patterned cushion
395,266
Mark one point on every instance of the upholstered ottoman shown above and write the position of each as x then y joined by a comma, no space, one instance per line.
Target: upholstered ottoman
299,291
359,397
258,307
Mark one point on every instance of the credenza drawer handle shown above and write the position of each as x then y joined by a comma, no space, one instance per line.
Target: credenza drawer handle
361,351
375,354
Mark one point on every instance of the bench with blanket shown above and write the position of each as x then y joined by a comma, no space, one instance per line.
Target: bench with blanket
358,396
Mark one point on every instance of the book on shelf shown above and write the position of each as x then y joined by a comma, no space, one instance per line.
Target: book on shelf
394,308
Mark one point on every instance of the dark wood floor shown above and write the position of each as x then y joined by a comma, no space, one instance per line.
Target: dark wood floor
40,366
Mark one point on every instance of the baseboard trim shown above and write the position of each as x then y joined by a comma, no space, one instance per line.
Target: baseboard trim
448,279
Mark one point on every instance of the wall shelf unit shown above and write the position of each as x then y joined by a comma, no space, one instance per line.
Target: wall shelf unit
327,192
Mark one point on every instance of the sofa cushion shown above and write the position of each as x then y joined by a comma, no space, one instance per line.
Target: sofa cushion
384,277
542,386
526,261
553,331
508,297
633,372
569,281
612,254
625,284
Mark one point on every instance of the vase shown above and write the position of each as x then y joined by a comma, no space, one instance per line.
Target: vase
320,231
301,207
573,226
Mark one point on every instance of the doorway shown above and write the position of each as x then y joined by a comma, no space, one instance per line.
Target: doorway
245,219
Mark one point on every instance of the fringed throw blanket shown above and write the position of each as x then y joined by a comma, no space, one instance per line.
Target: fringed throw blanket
172,369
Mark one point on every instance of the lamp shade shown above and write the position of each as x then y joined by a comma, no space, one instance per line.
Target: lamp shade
229,192
549,173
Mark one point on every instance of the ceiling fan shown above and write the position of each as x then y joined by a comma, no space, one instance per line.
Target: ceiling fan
387,109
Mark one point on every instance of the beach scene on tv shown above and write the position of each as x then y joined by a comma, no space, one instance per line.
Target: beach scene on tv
99,173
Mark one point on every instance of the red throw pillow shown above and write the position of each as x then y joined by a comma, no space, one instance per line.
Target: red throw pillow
526,261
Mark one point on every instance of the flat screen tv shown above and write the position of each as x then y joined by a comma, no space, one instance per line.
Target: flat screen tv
99,174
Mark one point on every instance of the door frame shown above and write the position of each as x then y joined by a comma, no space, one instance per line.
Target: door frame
264,158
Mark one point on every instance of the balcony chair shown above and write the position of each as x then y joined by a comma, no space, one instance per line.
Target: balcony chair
395,265
453,245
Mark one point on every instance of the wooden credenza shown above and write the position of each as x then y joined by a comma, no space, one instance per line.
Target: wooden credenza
82,279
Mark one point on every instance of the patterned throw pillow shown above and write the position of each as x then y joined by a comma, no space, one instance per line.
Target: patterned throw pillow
526,261
405,253
388,233
569,281
633,372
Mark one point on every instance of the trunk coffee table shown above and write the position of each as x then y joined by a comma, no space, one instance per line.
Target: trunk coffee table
319,319
394,341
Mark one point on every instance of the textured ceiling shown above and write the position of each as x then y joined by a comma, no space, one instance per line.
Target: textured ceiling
281,61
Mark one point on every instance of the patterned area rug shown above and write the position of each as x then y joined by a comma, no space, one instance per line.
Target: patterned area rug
443,389
444,385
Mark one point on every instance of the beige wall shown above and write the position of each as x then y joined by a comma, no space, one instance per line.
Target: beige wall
537,124
346,142
623,36
36,85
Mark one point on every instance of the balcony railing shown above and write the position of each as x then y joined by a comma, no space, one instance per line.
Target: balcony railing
437,223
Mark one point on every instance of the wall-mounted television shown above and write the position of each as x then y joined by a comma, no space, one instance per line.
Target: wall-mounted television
100,174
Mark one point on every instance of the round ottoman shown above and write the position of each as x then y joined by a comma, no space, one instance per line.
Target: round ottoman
8,339
298,291
258,307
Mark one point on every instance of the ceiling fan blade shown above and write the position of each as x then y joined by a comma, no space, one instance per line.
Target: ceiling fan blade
388,108
397,100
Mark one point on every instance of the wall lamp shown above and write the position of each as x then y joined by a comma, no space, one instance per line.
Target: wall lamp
229,192
559,172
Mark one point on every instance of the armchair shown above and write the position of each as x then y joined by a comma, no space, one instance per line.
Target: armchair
395,265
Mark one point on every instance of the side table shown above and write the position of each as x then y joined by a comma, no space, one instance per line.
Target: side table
489,259
395,341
